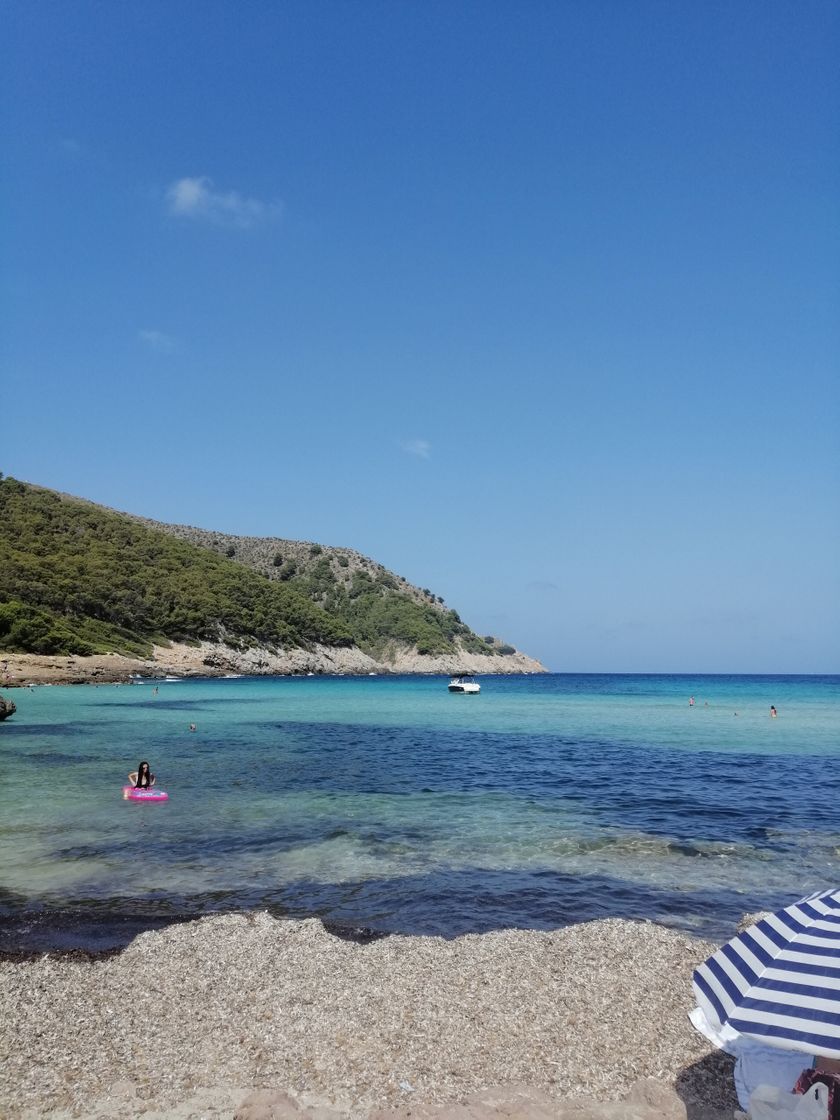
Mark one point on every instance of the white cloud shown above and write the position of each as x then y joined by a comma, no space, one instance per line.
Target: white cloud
419,447
158,341
196,198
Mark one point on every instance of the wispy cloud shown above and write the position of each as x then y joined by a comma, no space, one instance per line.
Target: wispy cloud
419,447
158,341
542,586
197,198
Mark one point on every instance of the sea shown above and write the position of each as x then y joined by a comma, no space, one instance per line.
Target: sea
388,805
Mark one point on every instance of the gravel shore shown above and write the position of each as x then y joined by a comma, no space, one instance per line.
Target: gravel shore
186,1021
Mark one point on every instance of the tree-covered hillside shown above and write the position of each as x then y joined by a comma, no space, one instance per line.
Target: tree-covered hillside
380,607
77,578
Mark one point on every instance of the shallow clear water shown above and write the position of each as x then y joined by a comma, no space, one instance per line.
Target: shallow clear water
388,803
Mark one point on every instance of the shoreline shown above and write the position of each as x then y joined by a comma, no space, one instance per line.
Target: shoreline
216,659
246,1001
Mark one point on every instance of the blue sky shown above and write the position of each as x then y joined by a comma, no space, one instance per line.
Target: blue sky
535,303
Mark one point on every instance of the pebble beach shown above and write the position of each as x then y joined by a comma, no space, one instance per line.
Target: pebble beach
188,1020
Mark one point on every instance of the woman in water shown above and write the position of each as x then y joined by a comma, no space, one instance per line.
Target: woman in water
141,778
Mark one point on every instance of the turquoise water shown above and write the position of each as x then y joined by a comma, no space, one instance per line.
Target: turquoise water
390,804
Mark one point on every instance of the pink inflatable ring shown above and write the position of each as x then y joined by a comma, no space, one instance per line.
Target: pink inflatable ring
131,793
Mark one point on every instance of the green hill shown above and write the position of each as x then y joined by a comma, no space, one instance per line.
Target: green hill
78,578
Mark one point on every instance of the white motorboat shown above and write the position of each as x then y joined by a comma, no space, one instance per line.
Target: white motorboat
464,682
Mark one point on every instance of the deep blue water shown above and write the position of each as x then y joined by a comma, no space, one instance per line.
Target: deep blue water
389,804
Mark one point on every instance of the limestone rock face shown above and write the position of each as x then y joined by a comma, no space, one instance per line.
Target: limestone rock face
270,1104
660,1099
510,1102
216,659
7,708
647,1100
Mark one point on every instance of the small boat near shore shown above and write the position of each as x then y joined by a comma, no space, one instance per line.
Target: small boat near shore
465,683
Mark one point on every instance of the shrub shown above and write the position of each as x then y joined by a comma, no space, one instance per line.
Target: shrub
230,551
315,550
32,630
343,562
278,560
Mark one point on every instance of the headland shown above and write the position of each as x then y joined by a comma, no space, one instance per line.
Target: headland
217,659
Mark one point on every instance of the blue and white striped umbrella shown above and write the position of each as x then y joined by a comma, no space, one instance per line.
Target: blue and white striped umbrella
779,980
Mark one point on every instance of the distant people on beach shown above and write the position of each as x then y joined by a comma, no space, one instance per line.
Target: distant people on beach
142,778
691,701
773,712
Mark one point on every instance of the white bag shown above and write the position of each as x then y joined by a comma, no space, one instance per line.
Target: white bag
769,1103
